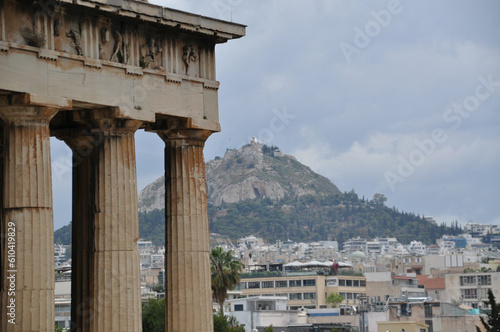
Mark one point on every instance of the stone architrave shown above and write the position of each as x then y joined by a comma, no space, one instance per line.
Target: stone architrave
27,242
187,257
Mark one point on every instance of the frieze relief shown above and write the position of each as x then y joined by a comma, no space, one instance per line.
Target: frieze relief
75,36
151,54
120,48
101,38
189,57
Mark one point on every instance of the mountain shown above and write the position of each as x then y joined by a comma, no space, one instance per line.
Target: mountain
259,190
251,172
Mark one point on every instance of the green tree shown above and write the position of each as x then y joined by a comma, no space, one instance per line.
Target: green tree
334,299
379,199
269,328
158,288
226,324
493,322
225,270
153,316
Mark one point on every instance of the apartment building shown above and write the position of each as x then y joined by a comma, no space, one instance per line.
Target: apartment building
304,290
471,289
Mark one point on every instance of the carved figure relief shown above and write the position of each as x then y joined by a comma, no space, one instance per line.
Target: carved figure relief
120,51
75,35
57,27
32,37
104,35
151,54
189,55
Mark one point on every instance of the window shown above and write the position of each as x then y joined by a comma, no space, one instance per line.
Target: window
428,310
484,280
294,283
348,283
281,283
253,284
309,296
268,284
355,283
343,295
349,296
362,283
295,296
309,282
341,282
62,308
238,307
243,285
467,280
469,293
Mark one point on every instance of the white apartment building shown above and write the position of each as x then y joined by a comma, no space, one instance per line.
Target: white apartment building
471,288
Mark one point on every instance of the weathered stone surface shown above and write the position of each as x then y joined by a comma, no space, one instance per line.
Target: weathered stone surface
27,277
93,55
105,287
188,290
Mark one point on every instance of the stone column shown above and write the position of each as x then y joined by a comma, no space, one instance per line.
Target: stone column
27,227
81,143
187,261
106,289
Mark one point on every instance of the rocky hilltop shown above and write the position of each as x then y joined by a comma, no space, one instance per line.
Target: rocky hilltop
253,171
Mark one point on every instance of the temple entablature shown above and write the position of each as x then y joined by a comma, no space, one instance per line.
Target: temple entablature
142,60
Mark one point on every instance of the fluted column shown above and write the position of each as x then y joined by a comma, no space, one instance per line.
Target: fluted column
81,143
187,261
106,275
27,227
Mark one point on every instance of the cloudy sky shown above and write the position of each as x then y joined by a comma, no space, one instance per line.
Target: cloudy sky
400,98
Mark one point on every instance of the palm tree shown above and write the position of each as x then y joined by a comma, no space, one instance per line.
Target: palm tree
225,271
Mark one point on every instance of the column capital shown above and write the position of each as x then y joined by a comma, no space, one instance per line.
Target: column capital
27,115
114,127
179,129
190,136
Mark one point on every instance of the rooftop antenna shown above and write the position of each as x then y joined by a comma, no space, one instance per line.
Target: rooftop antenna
231,10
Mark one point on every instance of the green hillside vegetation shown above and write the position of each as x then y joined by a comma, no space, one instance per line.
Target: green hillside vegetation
337,217
63,235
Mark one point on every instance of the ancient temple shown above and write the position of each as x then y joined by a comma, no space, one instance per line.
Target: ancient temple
92,73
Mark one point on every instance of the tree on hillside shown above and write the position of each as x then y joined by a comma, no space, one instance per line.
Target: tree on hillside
334,299
493,322
379,199
225,270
